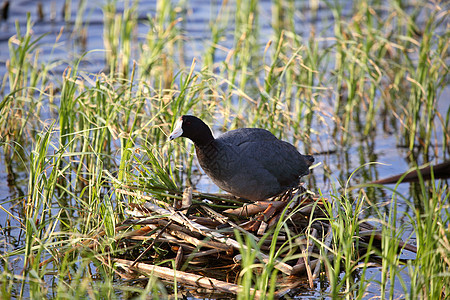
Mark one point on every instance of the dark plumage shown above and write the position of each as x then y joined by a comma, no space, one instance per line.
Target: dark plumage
248,162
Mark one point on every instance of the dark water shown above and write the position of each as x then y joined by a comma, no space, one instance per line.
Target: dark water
13,183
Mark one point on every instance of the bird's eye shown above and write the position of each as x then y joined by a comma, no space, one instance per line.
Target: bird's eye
188,123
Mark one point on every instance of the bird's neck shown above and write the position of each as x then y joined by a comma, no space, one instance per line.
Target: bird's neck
203,140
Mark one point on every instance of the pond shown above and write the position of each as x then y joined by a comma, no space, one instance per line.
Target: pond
86,85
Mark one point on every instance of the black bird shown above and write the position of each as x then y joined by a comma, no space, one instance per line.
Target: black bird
4,11
250,163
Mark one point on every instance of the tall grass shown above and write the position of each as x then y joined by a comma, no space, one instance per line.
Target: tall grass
374,61
25,75
118,35
346,214
429,272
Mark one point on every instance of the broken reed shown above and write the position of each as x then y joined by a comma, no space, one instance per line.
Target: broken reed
380,64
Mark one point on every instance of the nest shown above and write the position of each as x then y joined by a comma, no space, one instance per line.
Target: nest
199,245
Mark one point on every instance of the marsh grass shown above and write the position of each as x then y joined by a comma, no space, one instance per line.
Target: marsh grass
386,62
23,78
432,234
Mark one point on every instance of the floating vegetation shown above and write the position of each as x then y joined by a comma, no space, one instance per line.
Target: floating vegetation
286,238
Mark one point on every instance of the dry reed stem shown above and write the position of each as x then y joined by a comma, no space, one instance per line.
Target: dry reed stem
184,277
254,208
183,220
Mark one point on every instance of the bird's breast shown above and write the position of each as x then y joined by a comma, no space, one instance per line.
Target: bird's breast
217,161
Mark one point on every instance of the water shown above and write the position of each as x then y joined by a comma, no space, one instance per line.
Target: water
382,147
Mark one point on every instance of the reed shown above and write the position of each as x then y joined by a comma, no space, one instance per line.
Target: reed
157,58
346,216
218,27
428,272
25,77
119,34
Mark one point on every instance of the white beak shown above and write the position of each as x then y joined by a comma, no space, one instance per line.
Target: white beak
178,130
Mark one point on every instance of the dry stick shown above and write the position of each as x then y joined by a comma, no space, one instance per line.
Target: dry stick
378,236
306,263
141,231
262,228
316,263
224,220
187,199
174,235
311,248
328,239
254,208
152,244
305,259
282,292
439,171
313,264
178,228
185,278
311,242
198,243
182,219
269,214
366,229
179,258
208,222
181,233
203,253
166,239
145,221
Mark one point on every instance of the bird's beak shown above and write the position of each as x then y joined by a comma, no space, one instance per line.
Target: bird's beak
178,130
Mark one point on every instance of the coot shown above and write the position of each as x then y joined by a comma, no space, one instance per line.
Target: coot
248,162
